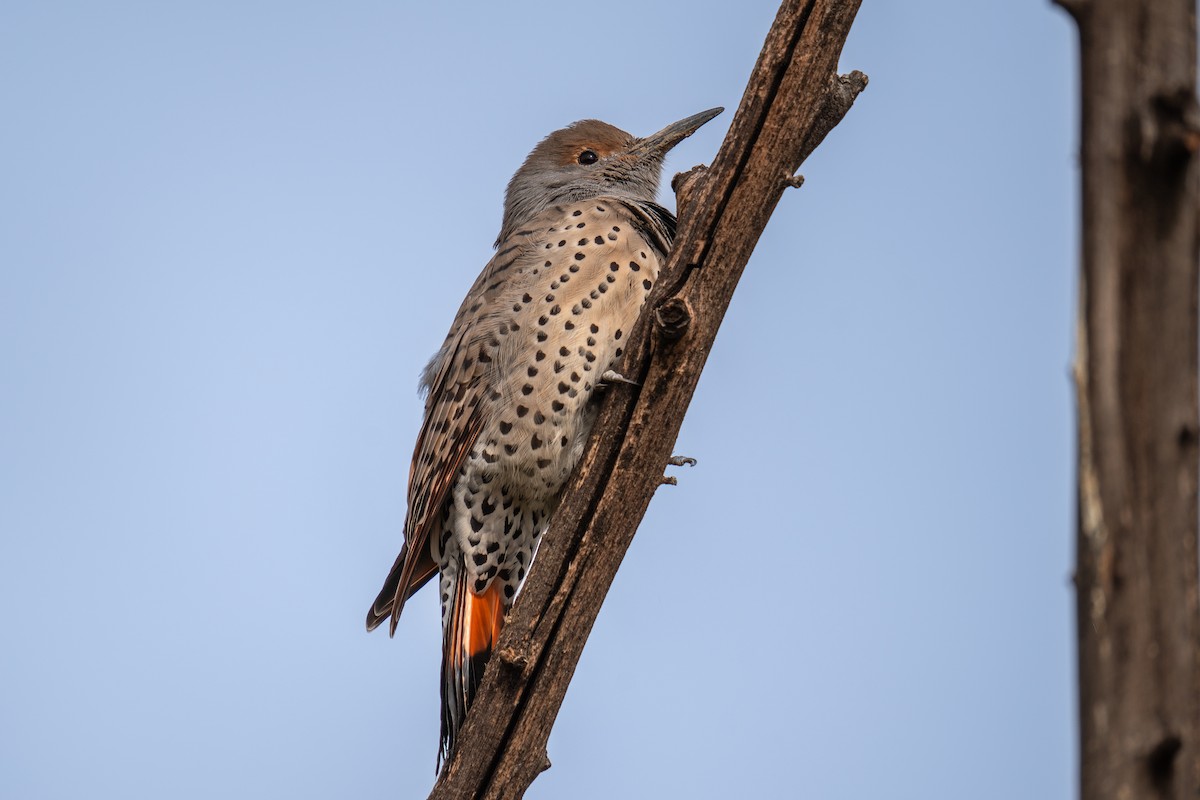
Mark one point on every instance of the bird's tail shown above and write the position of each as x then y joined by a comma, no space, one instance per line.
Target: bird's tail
473,625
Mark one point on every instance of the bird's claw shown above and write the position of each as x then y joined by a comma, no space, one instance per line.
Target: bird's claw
612,376
681,461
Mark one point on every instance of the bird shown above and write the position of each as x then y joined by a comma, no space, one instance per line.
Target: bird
510,394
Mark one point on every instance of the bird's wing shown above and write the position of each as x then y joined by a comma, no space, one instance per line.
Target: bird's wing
653,221
461,382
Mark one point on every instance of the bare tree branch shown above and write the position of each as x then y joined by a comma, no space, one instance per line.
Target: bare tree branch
1136,389
792,101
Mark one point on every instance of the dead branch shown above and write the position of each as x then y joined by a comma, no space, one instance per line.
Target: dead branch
792,101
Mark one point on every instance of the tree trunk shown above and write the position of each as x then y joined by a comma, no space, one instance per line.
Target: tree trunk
1135,372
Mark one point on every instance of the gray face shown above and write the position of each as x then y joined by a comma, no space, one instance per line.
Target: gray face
591,159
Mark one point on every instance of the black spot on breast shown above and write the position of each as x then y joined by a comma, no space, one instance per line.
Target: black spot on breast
582,242
636,267
542,320
602,288
535,443
541,336
527,390
543,463
476,524
646,284
539,355
572,268
505,427
569,325
576,213
580,225
479,558
538,418
531,372
526,298
562,243
484,358
556,406
487,506
614,266
610,278
522,411
493,547
616,229
599,240
511,449
563,388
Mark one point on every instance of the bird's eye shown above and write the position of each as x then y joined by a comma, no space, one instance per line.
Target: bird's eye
588,157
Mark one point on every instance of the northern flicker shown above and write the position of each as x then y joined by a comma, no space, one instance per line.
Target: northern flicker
509,394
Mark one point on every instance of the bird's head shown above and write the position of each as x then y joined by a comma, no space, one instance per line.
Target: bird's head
591,158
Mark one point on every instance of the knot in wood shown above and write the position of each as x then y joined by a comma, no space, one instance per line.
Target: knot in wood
684,184
1167,131
673,318
514,659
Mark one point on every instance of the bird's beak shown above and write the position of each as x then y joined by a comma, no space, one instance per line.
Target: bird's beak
659,143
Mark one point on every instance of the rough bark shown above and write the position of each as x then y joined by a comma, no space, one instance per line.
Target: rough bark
1135,372
792,101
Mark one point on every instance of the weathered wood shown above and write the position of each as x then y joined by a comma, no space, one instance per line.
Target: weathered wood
792,101
1136,387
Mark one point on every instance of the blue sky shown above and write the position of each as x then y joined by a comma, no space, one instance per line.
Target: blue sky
232,234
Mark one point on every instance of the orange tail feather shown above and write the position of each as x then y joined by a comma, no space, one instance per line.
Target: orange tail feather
473,628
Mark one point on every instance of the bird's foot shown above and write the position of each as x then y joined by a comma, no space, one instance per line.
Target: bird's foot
676,461
612,376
